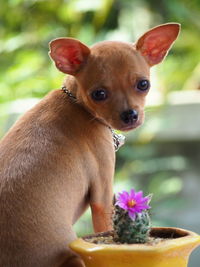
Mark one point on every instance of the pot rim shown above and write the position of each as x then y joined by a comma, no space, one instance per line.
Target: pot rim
185,237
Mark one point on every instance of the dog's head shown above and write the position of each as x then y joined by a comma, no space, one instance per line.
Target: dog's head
113,77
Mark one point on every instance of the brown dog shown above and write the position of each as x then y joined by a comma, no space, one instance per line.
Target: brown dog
59,157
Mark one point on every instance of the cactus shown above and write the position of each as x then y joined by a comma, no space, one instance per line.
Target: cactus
131,221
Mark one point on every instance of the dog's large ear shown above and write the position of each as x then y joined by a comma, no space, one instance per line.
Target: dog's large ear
68,54
155,44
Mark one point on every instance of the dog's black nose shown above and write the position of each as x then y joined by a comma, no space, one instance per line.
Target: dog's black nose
129,116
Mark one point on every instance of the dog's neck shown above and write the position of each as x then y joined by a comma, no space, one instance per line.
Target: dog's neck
118,139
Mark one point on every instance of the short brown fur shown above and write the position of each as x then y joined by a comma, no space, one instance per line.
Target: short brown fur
59,157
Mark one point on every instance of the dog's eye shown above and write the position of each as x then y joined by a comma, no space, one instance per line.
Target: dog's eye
143,85
99,94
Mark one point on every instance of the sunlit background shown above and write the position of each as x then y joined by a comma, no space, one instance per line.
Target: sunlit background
163,156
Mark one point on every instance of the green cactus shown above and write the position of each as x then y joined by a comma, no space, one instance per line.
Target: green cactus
127,230
130,229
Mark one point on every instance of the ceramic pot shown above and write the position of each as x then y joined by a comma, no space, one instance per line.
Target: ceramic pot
173,251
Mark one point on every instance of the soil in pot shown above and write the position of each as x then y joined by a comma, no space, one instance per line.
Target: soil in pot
156,236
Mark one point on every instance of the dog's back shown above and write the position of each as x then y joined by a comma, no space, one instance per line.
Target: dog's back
42,181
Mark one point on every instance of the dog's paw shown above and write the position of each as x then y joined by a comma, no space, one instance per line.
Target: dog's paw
74,261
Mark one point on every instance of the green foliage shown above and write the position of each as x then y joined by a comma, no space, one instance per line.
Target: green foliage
26,27
127,230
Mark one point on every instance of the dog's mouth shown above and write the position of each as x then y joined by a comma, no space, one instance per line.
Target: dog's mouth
129,127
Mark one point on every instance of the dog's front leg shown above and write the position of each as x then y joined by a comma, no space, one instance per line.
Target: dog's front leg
101,196
101,217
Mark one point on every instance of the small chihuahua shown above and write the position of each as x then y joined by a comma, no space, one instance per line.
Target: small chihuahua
59,157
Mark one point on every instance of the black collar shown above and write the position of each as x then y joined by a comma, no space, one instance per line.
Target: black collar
68,92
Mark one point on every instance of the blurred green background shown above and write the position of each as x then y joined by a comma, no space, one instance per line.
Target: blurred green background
162,157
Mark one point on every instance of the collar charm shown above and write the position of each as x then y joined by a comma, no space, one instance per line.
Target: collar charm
118,140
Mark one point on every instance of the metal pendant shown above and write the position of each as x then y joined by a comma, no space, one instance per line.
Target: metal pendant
118,140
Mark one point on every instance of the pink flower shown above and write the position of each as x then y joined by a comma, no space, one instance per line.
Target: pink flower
134,202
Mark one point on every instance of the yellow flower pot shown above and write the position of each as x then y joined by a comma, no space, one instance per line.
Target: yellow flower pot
173,251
